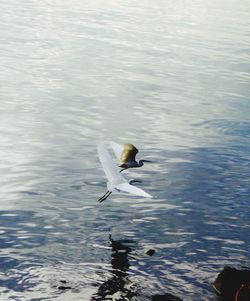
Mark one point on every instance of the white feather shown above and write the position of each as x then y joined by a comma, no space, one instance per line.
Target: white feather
111,170
117,148
126,187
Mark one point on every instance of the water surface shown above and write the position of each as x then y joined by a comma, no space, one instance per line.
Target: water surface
172,77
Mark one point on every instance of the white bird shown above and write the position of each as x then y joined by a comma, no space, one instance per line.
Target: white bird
126,155
116,182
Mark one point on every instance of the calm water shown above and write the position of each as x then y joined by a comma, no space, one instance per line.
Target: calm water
172,77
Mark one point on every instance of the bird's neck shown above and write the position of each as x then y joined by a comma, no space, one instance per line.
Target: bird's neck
140,162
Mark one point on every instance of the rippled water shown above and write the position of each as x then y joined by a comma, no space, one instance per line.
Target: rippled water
172,77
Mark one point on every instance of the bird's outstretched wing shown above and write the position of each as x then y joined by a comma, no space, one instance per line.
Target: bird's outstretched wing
126,187
112,171
117,148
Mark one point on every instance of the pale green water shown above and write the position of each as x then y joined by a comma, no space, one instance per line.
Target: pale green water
172,77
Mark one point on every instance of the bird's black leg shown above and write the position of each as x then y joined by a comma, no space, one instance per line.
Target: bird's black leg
123,167
103,198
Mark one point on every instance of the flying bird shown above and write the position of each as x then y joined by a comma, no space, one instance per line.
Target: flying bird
116,182
126,155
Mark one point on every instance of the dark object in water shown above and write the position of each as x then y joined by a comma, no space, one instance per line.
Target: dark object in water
233,284
150,252
62,287
243,293
165,297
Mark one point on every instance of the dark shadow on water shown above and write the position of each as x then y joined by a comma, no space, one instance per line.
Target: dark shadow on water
120,283
120,266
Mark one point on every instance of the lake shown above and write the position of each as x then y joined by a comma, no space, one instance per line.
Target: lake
171,77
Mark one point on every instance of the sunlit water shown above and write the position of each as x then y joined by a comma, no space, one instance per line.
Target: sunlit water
172,77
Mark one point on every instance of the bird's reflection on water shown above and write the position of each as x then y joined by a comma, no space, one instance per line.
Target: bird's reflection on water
120,286
120,266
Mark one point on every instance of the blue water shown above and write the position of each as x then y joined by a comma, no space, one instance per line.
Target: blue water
171,77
